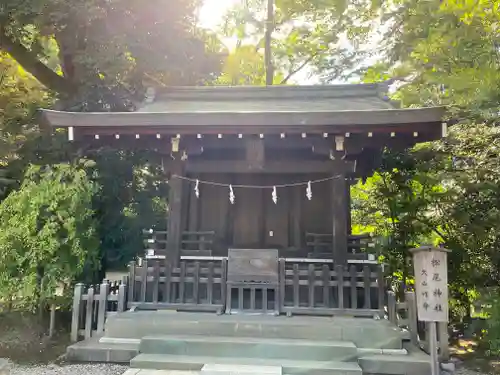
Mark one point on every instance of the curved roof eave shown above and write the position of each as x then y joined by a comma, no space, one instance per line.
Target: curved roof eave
244,118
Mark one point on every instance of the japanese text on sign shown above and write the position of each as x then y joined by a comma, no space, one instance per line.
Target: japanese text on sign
431,285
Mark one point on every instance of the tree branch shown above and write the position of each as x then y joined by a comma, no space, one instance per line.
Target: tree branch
29,61
298,69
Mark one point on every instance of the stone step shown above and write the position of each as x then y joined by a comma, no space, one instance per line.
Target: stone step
245,347
92,350
215,369
365,333
290,367
417,363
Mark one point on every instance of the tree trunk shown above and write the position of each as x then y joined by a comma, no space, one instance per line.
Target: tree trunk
268,40
29,61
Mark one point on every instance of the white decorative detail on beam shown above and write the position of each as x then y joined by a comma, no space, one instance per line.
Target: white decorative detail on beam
339,143
325,135
158,136
71,133
261,136
415,134
304,135
240,136
347,135
219,136
117,136
444,129
393,134
96,136
282,135
198,136
137,136
175,144
370,134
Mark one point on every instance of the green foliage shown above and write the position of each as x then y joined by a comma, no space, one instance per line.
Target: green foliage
20,96
132,197
48,234
98,55
306,37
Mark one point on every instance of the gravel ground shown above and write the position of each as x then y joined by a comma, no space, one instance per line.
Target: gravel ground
110,369
94,369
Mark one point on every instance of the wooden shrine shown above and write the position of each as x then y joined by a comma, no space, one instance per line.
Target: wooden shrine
258,168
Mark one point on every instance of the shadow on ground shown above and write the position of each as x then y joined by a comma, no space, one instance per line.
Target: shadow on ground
24,339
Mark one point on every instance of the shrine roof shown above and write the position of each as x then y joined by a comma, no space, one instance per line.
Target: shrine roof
320,105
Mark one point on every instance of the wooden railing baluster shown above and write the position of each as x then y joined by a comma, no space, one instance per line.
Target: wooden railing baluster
367,287
210,283
131,287
354,287
326,285
311,281
296,285
196,282
182,282
340,285
156,280
144,280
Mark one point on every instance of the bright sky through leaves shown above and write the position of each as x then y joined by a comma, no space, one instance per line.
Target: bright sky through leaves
212,12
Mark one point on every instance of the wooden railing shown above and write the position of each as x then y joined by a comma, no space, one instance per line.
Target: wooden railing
320,245
192,243
92,305
306,286
403,313
313,287
198,284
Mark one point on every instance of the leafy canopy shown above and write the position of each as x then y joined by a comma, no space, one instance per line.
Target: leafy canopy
48,233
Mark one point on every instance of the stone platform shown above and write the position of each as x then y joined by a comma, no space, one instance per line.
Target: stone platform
4,367
208,344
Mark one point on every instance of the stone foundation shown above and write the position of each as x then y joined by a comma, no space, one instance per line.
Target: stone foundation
4,367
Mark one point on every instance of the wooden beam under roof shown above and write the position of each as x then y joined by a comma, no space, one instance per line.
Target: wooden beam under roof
224,166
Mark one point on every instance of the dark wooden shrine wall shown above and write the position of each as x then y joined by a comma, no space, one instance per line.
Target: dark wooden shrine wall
255,221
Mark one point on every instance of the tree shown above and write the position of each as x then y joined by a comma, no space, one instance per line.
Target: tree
307,37
48,234
104,50
442,53
20,97
245,66
132,197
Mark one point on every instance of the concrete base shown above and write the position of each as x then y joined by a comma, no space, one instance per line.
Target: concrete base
135,371
94,351
4,367
240,370
207,344
363,332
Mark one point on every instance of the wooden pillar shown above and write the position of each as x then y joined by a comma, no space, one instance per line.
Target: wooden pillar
296,227
174,235
339,208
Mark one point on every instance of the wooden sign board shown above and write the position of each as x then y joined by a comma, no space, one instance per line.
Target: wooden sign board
431,283
253,266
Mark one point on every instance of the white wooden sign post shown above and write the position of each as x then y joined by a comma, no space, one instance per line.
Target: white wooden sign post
431,288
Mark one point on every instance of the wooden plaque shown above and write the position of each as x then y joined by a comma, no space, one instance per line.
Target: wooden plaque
431,283
253,266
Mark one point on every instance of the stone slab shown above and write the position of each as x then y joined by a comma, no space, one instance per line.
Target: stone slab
92,350
218,369
244,347
365,333
295,367
412,364
4,367
134,371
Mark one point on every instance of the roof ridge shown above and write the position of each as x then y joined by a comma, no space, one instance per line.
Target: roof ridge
279,92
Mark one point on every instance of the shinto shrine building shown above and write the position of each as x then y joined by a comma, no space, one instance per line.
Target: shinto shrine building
259,202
